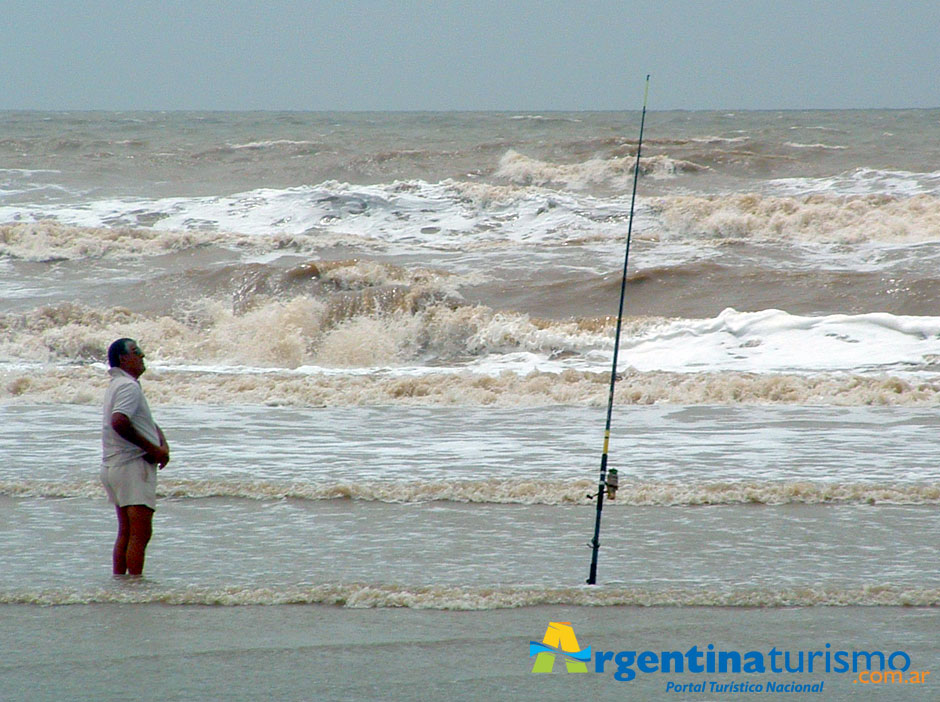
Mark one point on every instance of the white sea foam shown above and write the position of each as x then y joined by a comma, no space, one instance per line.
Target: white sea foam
273,143
546,118
861,181
720,140
448,215
515,491
823,217
460,216
27,171
370,596
824,147
775,341
429,388
49,240
615,173
421,336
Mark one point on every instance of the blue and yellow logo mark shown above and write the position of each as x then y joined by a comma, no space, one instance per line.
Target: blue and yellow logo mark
559,641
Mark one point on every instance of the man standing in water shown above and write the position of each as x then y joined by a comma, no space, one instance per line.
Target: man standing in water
133,447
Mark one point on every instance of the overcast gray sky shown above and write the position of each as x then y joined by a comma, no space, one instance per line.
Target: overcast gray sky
468,54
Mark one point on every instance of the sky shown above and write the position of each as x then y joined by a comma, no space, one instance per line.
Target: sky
468,54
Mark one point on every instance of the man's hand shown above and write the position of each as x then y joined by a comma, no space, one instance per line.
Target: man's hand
159,455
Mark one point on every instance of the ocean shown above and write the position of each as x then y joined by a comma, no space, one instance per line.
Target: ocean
380,344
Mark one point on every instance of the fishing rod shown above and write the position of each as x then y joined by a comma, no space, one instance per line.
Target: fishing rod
610,482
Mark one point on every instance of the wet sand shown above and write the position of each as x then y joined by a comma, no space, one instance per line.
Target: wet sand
155,652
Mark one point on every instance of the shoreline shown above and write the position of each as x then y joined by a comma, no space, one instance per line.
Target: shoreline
327,652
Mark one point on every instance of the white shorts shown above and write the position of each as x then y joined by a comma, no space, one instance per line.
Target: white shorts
131,483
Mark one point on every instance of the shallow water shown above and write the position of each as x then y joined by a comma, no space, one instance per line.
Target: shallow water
723,504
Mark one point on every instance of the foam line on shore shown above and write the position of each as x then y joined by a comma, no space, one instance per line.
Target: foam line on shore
379,596
526,492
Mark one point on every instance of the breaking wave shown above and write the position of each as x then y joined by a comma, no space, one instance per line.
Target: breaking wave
811,218
448,215
525,492
409,326
49,240
369,596
860,181
83,385
615,173
462,216
368,326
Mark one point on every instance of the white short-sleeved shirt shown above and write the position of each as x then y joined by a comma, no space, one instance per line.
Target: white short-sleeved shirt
125,395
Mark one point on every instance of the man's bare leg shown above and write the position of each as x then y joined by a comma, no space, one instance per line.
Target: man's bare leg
119,555
135,526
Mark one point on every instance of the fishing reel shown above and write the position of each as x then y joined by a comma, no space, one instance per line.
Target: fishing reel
611,485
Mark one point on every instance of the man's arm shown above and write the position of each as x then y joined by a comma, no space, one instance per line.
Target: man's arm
160,455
